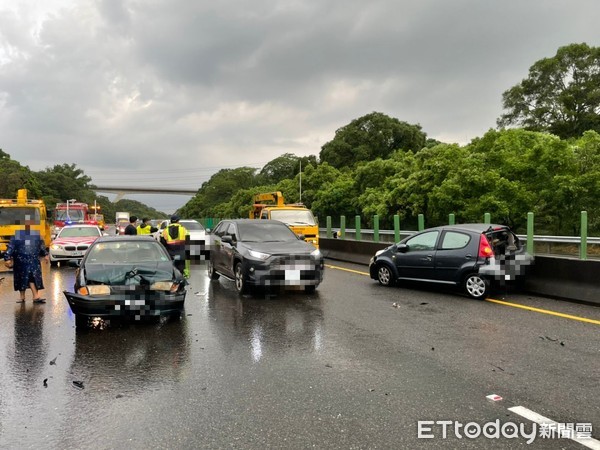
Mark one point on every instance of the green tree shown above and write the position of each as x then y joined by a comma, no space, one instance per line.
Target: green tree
286,166
278,169
580,190
218,189
63,182
136,208
407,192
314,179
507,173
14,176
336,198
561,95
372,136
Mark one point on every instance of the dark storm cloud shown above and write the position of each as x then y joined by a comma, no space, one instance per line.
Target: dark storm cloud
225,83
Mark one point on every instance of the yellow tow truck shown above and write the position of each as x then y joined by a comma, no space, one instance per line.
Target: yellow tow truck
14,212
298,217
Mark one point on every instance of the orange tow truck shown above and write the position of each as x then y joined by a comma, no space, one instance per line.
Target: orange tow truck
14,212
299,218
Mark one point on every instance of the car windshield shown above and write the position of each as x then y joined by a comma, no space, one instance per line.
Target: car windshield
14,216
74,214
192,226
79,232
265,232
127,252
293,216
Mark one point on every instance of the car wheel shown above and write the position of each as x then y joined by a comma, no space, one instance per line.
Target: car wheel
476,286
385,276
53,263
309,289
240,282
211,272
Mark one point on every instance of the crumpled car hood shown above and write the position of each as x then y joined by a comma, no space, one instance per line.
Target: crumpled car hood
128,273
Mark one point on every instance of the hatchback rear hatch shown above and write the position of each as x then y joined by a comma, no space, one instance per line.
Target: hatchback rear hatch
509,259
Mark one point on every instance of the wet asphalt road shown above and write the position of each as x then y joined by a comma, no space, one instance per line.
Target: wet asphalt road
341,368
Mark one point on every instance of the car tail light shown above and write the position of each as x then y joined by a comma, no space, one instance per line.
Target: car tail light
485,249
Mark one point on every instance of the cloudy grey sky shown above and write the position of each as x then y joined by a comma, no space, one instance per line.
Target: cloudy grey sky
167,92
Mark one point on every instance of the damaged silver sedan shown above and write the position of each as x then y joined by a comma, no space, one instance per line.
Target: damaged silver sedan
126,277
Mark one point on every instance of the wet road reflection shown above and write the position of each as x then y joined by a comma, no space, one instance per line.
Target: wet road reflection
59,384
339,368
266,324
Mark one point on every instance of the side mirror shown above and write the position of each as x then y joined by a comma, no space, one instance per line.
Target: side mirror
227,239
208,231
301,237
402,248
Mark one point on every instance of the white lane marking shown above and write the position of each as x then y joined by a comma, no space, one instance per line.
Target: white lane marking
539,419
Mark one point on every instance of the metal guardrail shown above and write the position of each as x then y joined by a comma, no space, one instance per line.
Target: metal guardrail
536,237
555,245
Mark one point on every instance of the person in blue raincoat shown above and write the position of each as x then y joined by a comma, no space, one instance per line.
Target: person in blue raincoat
25,250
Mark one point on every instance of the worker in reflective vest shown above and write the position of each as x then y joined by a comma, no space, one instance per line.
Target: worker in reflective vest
145,228
173,237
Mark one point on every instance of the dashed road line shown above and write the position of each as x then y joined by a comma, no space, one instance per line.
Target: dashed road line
539,419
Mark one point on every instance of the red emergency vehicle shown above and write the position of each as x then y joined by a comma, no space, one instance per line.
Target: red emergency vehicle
71,212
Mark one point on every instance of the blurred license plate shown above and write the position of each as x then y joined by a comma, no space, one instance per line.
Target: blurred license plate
77,254
292,275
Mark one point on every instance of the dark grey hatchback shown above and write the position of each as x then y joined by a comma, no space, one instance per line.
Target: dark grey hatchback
468,255
263,253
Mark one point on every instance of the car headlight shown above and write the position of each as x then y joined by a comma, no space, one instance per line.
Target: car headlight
95,289
258,255
56,247
165,286
316,252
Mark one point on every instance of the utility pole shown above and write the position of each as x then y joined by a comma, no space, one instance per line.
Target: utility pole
300,180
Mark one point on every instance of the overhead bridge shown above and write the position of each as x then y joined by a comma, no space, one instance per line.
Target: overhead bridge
122,190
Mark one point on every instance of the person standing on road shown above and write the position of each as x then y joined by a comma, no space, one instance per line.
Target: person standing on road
24,250
131,229
145,228
173,238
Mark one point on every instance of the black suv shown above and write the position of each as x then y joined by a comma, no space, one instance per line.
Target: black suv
468,255
263,253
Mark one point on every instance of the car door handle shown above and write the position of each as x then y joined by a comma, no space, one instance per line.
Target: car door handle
468,256
427,258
